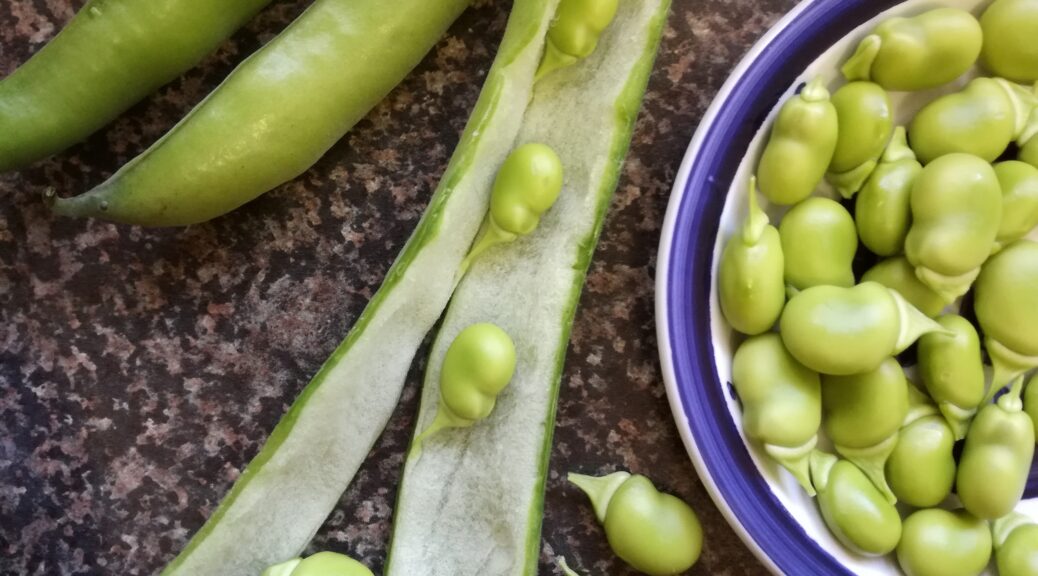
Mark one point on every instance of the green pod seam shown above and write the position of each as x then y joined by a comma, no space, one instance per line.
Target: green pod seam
897,274
938,542
862,414
111,55
951,368
800,146
917,52
750,282
1010,27
996,458
819,241
843,331
656,533
882,210
853,509
982,119
275,115
574,32
1015,538
956,210
1019,183
865,117
1005,296
921,469
781,402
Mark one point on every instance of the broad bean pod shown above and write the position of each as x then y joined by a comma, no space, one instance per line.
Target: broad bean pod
865,117
750,276
882,209
938,542
956,211
574,32
800,146
917,52
855,511
656,533
951,368
1004,301
844,331
818,244
781,403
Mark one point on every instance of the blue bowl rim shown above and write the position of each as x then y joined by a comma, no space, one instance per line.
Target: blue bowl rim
683,298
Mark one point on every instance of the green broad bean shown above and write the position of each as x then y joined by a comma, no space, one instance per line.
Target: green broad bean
818,243
921,469
750,276
982,120
882,210
478,365
1019,183
527,185
320,564
800,147
1010,27
952,370
956,210
854,510
1016,545
1028,141
843,331
938,542
1031,402
865,117
1005,296
997,457
781,403
918,52
862,414
656,533
897,274
574,32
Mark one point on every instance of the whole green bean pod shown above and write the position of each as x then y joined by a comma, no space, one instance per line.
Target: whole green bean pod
1005,296
882,211
275,115
111,55
997,457
750,276
951,368
800,147
866,119
781,403
1015,537
853,509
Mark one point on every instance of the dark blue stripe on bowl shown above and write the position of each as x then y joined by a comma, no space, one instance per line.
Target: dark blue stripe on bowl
702,395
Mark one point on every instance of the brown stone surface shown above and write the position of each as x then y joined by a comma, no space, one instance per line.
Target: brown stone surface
141,369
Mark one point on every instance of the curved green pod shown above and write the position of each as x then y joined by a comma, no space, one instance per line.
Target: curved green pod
956,210
844,331
800,146
1010,27
921,468
110,56
853,509
781,403
275,115
917,52
656,533
818,244
997,457
574,32
952,370
882,210
897,274
982,120
1019,183
319,564
862,413
938,542
1031,402
1005,293
750,283
1015,537
865,117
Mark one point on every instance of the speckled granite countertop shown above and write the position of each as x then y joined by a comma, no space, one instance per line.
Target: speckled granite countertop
141,369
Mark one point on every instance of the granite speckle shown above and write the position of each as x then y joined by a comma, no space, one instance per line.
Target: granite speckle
141,369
